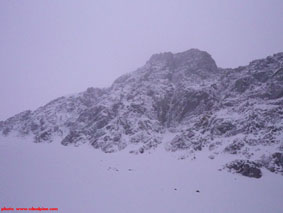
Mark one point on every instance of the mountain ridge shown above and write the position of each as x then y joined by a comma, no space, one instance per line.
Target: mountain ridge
226,111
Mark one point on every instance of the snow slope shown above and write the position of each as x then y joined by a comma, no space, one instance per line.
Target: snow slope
81,179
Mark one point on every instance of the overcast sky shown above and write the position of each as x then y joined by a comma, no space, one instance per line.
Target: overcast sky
50,48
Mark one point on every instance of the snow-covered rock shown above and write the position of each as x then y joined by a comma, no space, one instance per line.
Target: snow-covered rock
227,111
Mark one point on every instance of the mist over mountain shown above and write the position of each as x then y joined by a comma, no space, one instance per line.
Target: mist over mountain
182,102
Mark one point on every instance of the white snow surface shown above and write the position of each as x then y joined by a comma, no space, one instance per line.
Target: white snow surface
82,179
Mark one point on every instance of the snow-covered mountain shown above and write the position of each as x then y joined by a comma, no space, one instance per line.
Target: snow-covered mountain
181,101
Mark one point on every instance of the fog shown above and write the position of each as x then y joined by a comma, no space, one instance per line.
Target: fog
52,48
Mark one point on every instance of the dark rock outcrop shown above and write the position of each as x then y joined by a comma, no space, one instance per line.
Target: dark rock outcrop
245,168
274,162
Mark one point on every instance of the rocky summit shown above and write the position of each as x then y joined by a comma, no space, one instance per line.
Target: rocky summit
182,102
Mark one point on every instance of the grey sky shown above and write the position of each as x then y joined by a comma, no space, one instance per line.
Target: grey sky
50,48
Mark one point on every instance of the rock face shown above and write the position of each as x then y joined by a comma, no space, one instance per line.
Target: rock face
229,111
